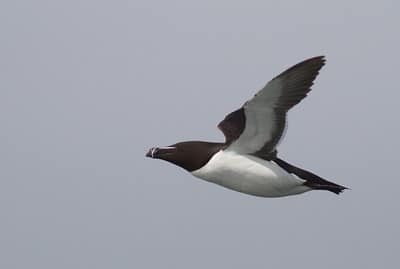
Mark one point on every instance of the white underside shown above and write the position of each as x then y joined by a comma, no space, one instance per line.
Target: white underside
251,175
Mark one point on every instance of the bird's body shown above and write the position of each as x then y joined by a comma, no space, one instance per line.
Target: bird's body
247,162
250,174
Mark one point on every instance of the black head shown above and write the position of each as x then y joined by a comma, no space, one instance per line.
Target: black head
190,155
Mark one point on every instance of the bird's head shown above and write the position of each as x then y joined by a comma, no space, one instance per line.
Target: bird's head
190,155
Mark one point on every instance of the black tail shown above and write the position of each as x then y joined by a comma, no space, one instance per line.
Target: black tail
312,180
328,186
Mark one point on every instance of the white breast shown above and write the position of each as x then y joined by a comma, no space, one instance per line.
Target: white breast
251,175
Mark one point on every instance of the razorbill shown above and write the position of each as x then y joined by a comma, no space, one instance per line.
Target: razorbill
247,161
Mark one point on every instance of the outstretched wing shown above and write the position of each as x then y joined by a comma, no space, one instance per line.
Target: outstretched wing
258,125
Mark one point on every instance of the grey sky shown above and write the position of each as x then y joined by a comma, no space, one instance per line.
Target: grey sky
87,87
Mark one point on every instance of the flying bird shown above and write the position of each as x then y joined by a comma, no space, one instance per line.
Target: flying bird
248,161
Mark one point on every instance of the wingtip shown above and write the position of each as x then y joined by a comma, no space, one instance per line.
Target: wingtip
311,65
321,59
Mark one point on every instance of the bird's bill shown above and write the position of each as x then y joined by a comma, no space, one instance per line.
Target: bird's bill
157,152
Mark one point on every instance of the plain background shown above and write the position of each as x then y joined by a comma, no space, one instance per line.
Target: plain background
86,87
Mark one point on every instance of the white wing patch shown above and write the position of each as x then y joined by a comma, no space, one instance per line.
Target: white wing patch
260,119
259,125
